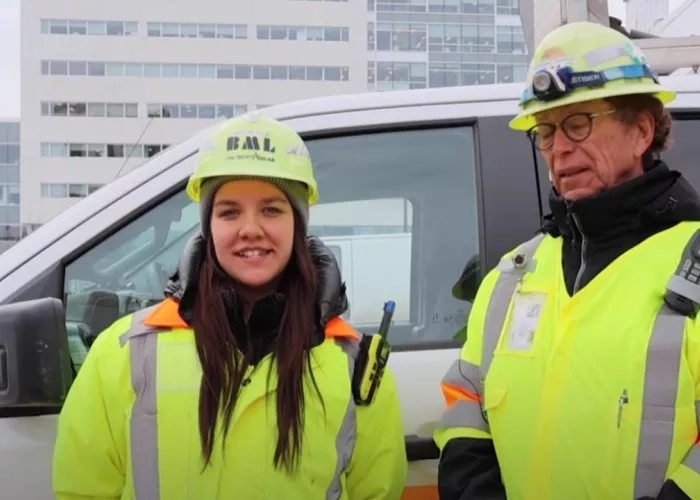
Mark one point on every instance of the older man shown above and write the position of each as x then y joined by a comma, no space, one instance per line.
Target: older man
580,378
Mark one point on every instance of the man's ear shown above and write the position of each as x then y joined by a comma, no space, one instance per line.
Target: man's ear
645,129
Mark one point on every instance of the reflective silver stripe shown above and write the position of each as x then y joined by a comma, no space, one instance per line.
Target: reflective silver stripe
511,275
465,376
345,440
464,414
143,349
692,461
659,410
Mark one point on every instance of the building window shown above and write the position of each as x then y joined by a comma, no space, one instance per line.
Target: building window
9,194
81,150
90,109
197,30
9,154
385,75
9,232
402,37
459,6
510,40
96,28
510,7
204,111
59,190
9,132
220,71
28,229
303,33
509,73
465,38
397,5
456,74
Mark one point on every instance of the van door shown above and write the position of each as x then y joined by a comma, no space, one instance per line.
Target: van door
405,196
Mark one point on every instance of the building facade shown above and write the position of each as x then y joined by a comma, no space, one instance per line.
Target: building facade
10,227
107,85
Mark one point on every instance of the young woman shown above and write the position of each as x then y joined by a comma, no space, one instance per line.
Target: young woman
238,384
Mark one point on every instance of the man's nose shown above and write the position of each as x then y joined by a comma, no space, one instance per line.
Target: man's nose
561,143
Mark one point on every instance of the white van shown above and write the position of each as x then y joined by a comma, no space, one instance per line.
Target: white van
434,175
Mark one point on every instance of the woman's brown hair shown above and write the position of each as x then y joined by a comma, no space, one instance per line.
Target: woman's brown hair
223,371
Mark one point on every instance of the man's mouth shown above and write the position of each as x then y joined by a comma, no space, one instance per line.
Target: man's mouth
571,172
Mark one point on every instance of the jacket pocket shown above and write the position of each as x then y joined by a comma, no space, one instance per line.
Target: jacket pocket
522,326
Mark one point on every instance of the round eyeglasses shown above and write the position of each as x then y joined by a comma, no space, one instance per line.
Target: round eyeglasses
577,127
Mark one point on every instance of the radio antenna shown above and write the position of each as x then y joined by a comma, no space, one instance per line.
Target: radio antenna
133,148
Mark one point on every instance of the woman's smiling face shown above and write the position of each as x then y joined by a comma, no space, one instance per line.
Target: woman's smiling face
252,228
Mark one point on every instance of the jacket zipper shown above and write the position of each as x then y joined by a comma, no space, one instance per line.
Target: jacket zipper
584,242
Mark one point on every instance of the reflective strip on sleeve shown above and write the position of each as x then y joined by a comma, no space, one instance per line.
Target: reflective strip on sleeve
145,469
659,410
692,461
464,376
464,414
464,410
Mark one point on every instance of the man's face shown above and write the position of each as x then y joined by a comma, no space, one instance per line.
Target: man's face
600,151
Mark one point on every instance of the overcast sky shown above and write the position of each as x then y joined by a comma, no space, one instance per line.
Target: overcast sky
9,52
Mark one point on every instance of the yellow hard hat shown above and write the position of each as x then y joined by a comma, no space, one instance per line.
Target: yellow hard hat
253,145
581,62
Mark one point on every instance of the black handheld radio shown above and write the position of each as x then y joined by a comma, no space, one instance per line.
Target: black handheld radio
372,360
683,289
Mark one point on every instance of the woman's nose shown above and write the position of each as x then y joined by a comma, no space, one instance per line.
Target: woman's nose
251,227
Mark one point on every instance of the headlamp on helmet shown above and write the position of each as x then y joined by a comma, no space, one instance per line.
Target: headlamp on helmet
548,85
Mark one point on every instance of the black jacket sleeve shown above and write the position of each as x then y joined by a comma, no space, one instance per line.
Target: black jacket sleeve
468,470
671,491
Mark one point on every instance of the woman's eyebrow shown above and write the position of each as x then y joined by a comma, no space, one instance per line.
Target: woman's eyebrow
227,203
275,199
270,199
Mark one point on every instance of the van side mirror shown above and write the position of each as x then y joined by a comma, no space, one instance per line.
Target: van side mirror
35,365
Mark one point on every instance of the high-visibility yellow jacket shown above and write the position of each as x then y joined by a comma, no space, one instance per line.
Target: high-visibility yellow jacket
129,428
593,396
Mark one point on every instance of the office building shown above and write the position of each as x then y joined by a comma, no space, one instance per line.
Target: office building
10,228
106,85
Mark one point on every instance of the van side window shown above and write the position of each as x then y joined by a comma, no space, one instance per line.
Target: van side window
126,272
402,207
398,209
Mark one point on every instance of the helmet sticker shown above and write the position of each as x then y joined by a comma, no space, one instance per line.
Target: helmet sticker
634,52
251,145
605,54
299,150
